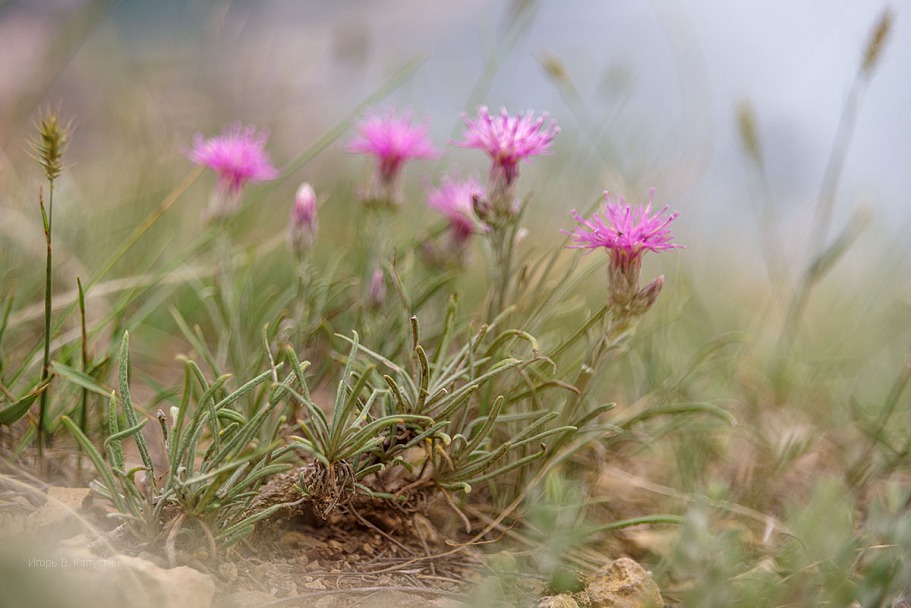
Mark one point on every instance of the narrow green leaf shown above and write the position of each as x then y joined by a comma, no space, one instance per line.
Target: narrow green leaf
80,379
120,436
243,390
342,392
423,379
636,521
114,450
404,405
448,324
481,434
128,408
680,409
18,409
507,468
98,461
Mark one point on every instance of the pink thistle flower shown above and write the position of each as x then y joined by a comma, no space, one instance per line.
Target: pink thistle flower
237,157
393,140
623,228
626,232
454,199
302,227
508,139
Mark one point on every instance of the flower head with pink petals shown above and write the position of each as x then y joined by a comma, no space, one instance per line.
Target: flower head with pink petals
626,232
237,157
454,199
393,140
623,227
508,139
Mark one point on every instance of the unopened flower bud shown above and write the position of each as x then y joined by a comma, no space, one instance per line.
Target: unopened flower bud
650,292
302,227
481,207
377,294
521,235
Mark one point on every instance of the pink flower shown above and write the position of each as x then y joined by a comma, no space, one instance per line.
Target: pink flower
237,156
623,229
454,199
508,140
626,232
393,140
303,225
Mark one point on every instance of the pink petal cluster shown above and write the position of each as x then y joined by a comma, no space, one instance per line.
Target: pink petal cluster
237,157
393,140
454,199
626,232
621,227
508,139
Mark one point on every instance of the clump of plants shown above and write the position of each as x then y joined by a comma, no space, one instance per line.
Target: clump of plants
431,401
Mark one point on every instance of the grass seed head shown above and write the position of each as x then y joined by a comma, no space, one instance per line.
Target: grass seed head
749,135
877,41
50,145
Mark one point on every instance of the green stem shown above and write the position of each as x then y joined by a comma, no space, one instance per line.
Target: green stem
502,239
822,220
226,293
83,416
618,326
301,301
111,262
47,219
379,238
83,413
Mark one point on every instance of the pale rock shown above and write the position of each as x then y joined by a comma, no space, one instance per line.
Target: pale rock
175,588
228,572
125,580
59,512
246,599
397,599
564,600
623,584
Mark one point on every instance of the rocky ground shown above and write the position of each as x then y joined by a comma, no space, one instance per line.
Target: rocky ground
58,545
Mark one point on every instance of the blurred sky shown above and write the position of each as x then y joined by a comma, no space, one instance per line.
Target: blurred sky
658,84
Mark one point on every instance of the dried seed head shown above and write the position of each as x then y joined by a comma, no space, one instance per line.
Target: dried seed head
877,41
51,142
749,136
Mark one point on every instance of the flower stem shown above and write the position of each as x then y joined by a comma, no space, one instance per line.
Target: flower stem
617,326
302,302
502,241
228,300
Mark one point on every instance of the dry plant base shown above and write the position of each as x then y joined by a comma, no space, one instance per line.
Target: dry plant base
297,554
364,549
